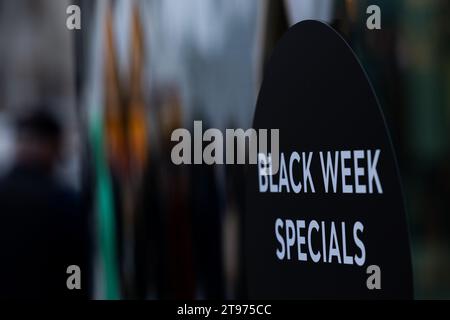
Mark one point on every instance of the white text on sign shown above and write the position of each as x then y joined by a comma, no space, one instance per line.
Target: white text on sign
342,172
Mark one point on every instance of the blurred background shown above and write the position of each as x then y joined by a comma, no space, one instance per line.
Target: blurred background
86,117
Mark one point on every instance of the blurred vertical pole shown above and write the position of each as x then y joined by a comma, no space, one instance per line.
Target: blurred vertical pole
138,143
80,38
106,216
137,125
102,145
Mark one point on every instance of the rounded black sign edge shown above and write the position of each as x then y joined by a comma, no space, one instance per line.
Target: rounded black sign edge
406,216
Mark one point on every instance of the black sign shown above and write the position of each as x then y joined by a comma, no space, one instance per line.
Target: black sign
330,223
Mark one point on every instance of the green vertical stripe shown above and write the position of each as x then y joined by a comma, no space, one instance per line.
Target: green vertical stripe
105,210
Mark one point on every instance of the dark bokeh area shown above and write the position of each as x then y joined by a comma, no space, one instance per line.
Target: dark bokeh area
86,118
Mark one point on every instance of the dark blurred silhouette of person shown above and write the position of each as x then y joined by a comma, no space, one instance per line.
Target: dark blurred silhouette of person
42,229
